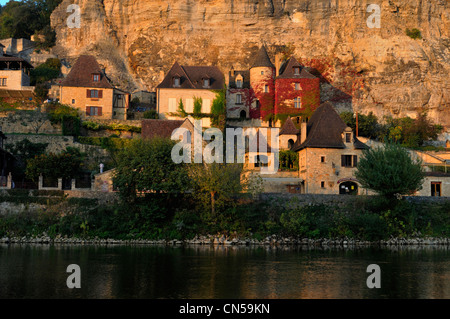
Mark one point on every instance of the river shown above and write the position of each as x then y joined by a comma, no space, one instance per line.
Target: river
223,272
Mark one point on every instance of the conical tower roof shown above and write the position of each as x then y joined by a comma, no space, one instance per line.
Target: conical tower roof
262,59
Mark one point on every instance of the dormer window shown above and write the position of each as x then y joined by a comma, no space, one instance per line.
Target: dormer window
348,137
239,81
206,83
176,81
96,77
296,70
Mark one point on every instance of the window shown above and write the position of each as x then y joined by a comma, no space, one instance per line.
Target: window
239,84
94,94
239,99
96,77
93,111
73,101
205,83
297,102
172,105
119,96
348,137
262,72
266,88
176,82
322,184
189,108
3,82
297,86
436,189
349,160
322,159
296,70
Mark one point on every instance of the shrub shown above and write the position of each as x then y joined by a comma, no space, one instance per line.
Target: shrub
414,33
151,114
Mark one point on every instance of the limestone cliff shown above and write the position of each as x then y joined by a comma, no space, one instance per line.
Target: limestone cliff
368,69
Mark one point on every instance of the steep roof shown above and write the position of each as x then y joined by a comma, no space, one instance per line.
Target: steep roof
287,71
81,74
191,77
289,128
324,130
162,128
262,59
245,79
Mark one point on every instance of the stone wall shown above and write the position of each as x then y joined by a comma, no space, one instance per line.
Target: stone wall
339,200
24,122
56,143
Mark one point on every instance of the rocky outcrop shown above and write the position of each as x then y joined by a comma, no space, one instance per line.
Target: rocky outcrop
380,70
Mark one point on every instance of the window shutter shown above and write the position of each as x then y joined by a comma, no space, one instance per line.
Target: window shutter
99,111
355,160
100,94
88,110
88,93
343,160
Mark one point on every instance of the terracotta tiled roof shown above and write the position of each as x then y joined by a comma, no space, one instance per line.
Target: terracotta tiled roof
325,130
262,59
191,77
287,71
159,128
289,128
81,74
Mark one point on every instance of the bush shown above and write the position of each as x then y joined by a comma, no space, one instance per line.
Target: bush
414,33
151,114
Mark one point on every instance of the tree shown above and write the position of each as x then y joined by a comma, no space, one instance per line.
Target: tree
65,165
216,184
146,166
218,109
389,171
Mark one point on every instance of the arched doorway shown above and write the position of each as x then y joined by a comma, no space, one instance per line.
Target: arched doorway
290,143
243,114
348,188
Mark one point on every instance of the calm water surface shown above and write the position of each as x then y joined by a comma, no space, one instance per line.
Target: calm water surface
39,271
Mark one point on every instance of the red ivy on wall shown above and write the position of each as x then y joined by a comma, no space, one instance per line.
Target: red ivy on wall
286,93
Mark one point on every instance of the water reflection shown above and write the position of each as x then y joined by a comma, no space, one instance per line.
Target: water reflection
230,272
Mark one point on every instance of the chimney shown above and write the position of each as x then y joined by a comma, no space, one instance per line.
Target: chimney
303,131
278,63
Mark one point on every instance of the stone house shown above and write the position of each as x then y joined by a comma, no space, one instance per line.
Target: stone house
87,88
268,92
436,167
328,154
185,83
15,74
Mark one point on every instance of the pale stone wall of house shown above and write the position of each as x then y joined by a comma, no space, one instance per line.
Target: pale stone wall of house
77,95
313,171
284,141
426,185
168,100
16,79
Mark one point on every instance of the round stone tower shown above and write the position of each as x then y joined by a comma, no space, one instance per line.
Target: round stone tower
262,81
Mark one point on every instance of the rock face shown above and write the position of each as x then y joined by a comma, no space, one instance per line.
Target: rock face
365,69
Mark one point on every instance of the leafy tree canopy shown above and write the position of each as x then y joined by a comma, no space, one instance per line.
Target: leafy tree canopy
389,171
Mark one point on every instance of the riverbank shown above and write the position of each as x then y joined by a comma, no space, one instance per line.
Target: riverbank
223,241
268,221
